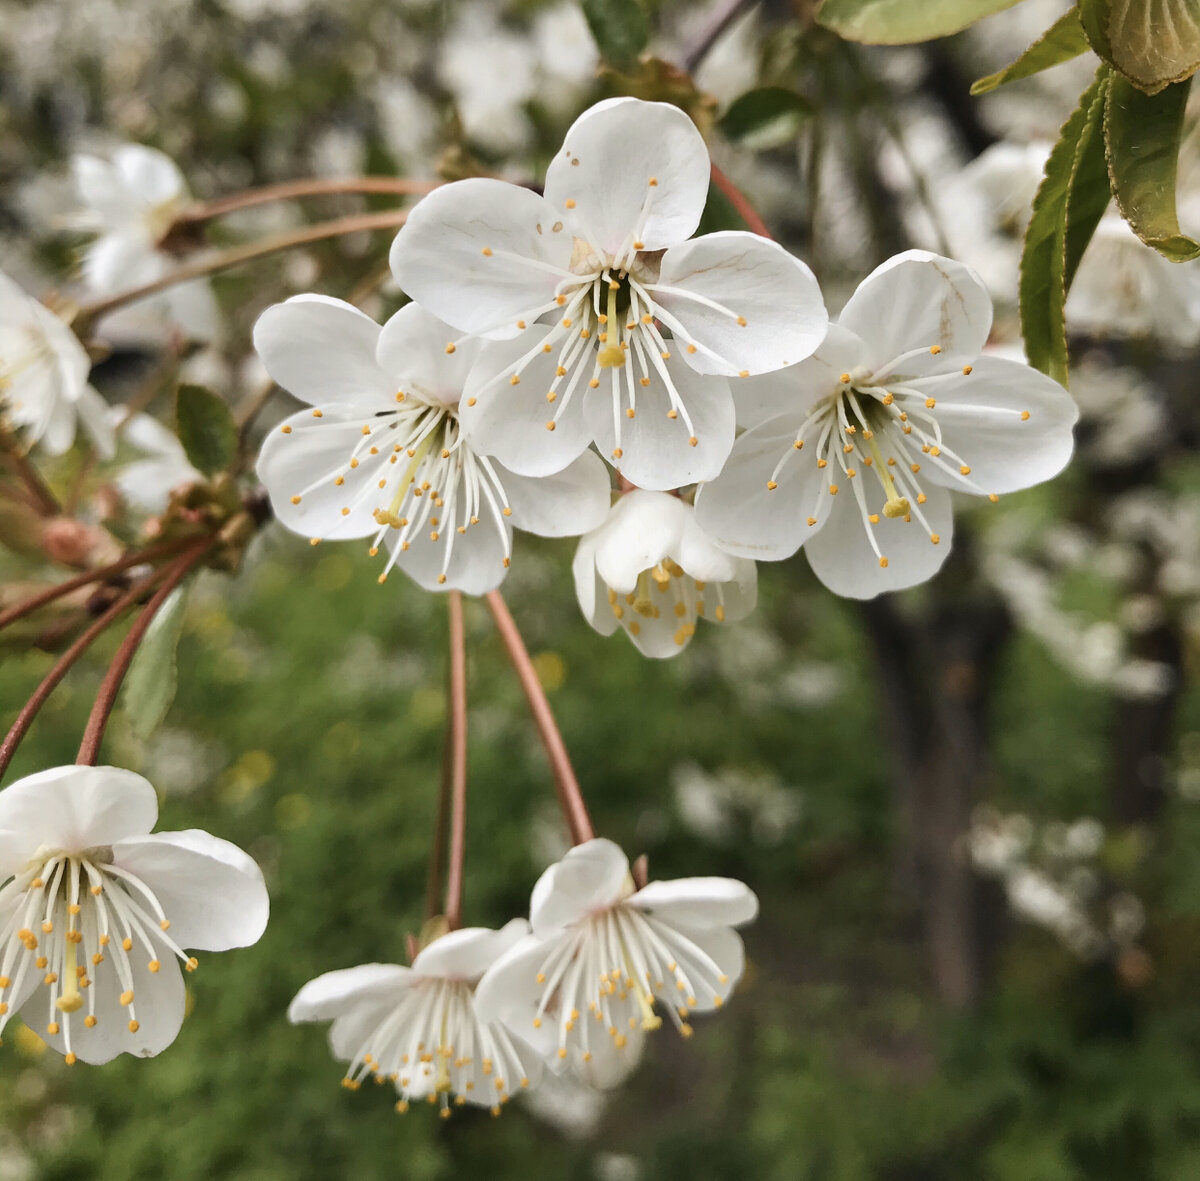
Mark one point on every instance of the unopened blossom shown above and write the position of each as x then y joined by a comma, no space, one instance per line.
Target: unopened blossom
418,1027
604,959
853,454
97,911
131,201
612,326
44,388
382,453
650,570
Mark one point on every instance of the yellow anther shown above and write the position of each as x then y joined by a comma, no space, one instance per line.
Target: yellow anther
930,403
967,370
285,430
883,563
295,500
127,997
935,349
693,441
134,1027
486,251
90,1021
1024,415
833,489
52,1027
570,203
771,485
741,320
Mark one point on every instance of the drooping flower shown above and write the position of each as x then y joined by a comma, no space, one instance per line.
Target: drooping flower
615,327
853,453
583,987
382,452
131,202
97,910
650,570
418,1027
44,369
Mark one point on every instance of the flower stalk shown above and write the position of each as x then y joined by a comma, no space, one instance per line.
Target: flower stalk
175,573
43,498
457,763
570,797
738,200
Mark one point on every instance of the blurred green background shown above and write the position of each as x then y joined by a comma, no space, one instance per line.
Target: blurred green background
980,932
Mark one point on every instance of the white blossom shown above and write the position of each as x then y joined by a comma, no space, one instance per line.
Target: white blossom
610,324
97,911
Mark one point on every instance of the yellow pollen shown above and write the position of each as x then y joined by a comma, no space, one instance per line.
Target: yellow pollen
127,997
134,1027
993,498
833,489
570,203
487,251
930,403
617,453
286,430
693,441
743,373
934,538
964,470
844,379
935,349
90,1021
318,414
967,370
514,380
771,485
450,348
52,1027
741,320
1024,415
520,323
366,429
691,348
551,425
653,181
883,563
295,500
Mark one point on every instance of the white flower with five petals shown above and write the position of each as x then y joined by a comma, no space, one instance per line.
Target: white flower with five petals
418,1026
583,986
44,370
382,452
131,202
611,324
97,910
651,570
853,454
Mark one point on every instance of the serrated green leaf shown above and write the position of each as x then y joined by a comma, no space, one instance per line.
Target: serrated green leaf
206,429
620,29
1062,41
1152,42
1142,133
150,688
1070,201
902,22
765,118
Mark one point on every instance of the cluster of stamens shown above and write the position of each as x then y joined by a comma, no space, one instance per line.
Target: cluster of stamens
605,324
876,425
665,589
79,922
412,465
614,967
431,1046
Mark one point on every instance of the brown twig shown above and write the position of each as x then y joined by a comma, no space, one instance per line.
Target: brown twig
388,220
458,761
711,33
737,199
63,665
43,499
20,610
289,189
570,797
106,698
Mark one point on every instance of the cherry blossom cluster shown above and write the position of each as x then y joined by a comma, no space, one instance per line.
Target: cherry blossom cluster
551,334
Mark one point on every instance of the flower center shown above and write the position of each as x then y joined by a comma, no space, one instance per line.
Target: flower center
665,590
876,433
431,1046
615,966
64,913
411,468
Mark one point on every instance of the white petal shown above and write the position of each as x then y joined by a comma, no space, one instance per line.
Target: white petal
149,173
773,314
609,157
98,186
746,517
796,389
642,529
589,878
918,300
194,309
289,463
124,258
510,421
211,891
590,590
842,558
509,992
412,349
468,953
323,351
610,1064
346,989
565,504
980,417
158,1003
698,902
438,256
696,950
72,808
657,452
93,412
701,558
476,563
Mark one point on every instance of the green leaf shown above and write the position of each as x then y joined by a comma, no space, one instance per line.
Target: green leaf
1142,133
1062,41
620,30
150,688
1152,42
206,429
765,118
901,22
1070,201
